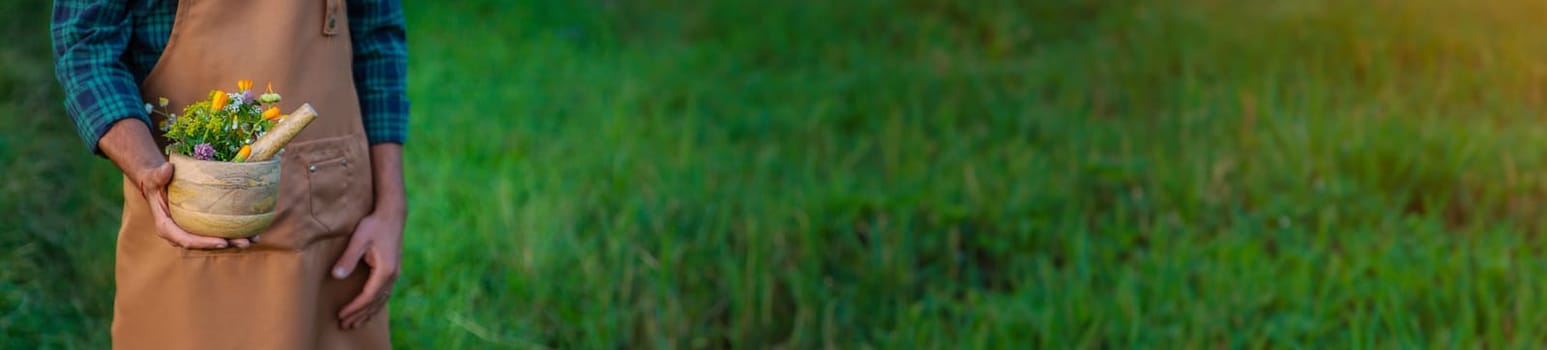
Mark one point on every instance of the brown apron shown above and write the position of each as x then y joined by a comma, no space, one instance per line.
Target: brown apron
277,294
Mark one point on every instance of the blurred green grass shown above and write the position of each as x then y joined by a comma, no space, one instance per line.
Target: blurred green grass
910,173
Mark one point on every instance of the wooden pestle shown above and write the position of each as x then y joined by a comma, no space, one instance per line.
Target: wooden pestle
284,131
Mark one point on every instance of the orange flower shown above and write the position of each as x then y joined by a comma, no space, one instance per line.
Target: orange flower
271,114
243,85
241,155
218,100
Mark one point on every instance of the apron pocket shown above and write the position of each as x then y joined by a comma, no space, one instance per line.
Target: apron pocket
336,195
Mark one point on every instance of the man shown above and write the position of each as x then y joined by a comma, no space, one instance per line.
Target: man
296,285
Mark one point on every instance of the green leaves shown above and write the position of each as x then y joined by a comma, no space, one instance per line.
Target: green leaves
226,129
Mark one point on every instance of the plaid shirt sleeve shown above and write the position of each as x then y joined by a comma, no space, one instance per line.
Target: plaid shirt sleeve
380,68
89,39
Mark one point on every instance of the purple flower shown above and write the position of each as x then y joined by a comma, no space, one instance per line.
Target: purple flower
246,96
204,151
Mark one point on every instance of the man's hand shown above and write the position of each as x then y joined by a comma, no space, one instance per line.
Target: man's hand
129,144
153,186
378,239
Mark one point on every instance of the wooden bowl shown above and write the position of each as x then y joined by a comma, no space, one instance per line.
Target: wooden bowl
223,199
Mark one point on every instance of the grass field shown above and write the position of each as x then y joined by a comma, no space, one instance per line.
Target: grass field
909,173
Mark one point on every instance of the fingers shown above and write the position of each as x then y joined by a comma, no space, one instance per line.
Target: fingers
346,264
179,238
169,231
379,283
241,243
362,318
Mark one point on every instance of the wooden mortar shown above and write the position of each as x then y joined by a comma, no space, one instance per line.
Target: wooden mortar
223,199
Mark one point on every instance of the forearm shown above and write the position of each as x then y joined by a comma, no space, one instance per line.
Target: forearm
387,175
89,39
380,74
130,145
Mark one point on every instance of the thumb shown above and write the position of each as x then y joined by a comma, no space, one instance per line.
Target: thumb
346,264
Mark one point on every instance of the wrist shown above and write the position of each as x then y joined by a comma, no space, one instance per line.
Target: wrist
391,205
387,171
129,144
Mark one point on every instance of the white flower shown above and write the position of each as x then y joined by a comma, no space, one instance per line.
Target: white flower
148,108
236,99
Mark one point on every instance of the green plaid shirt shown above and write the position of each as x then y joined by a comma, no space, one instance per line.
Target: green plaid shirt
103,49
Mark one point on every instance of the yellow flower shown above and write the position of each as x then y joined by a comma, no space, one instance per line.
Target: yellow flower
218,100
243,85
271,114
241,156
165,102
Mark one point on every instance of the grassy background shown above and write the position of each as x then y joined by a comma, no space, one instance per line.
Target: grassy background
980,173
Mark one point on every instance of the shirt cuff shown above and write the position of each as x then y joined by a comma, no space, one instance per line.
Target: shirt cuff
94,128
